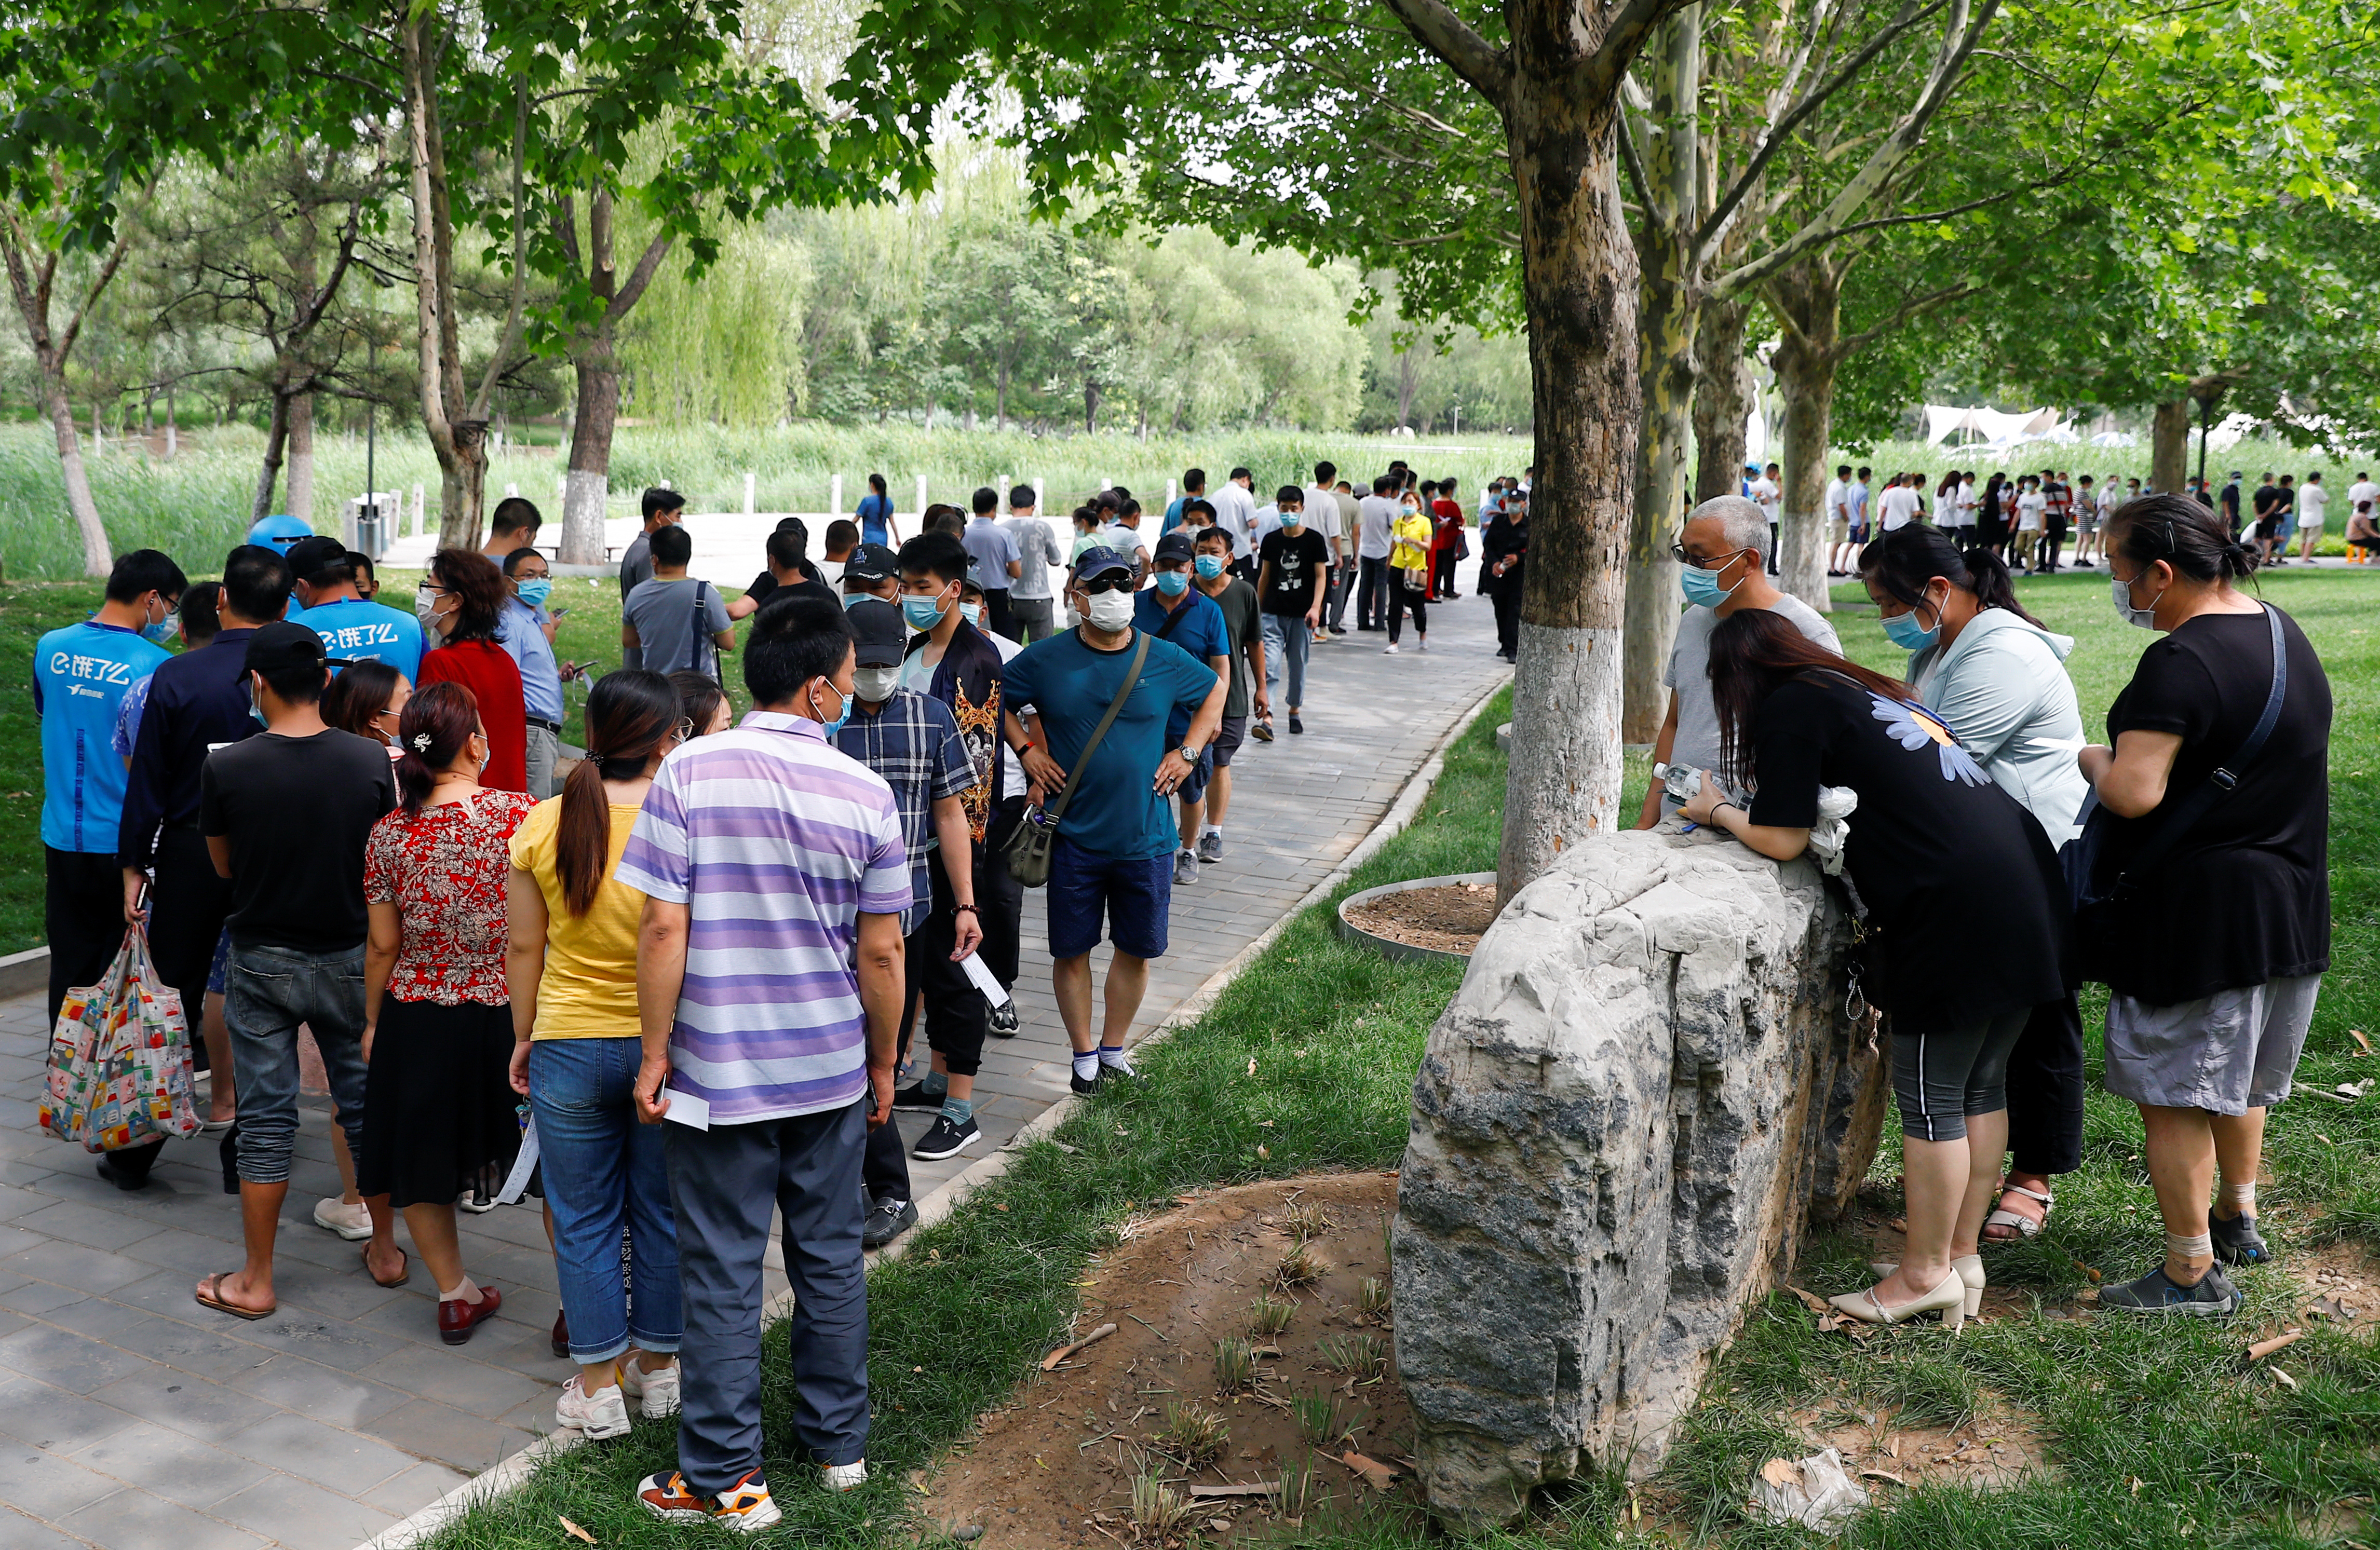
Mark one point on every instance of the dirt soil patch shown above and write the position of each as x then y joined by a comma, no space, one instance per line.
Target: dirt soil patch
1057,1465
1451,917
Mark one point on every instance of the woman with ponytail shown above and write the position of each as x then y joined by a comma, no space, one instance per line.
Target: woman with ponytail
438,1109
576,1052
1997,678
2215,928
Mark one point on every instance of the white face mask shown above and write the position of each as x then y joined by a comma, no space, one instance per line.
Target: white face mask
875,684
1110,611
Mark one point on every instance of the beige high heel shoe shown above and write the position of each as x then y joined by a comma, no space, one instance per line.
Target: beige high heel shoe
1949,1298
1971,1271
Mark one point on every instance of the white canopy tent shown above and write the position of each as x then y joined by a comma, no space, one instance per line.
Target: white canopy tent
1998,429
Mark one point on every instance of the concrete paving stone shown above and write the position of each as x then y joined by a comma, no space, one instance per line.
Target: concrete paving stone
71,1264
170,1464
137,1520
345,1462
346,1293
184,1345
15,1240
50,1485
333,1342
68,1360
46,1416
309,1244
415,1489
26,1173
430,1430
19,1532
320,1393
446,1375
190,1405
294,1513
188,1248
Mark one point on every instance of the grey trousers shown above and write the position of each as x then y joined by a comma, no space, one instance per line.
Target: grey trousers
724,1184
544,748
1030,618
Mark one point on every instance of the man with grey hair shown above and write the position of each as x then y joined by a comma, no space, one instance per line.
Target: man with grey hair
1724,550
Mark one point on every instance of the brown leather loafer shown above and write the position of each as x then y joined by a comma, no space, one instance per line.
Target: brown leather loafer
458,1318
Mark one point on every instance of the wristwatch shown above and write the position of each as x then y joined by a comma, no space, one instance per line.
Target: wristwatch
1189,752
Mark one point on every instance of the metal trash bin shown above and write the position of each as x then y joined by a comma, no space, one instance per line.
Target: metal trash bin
367,523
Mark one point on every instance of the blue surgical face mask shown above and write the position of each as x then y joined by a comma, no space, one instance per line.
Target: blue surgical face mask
853,599
535,590
836,725
1208,565
923,613
1903,630
971,612
1702,587
162,631
1173,583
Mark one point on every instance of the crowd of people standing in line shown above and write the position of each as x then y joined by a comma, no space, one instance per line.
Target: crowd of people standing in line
355,840
2183,864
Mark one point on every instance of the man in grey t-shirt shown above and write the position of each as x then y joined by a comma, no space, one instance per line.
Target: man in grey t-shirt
658,620
1029,601
663,508
1726,539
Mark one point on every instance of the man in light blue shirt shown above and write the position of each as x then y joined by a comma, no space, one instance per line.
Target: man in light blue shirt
324,598
81,673
525,630
993,548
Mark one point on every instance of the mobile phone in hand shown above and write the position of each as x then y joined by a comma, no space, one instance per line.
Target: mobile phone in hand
556,612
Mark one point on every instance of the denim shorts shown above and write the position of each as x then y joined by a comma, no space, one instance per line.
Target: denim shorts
223,961
1132,895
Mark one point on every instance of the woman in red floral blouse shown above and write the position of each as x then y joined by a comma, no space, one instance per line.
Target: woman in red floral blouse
438,1101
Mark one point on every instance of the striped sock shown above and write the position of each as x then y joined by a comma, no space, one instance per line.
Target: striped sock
958,1112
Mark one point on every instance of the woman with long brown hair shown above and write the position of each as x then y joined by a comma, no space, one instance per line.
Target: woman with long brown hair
461,603
576,1052
1940,860
438,1110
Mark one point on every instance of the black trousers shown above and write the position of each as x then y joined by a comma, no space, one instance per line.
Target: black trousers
1508,619
997,616
2045,1091
188,905
1371,592
955,1018
82,913
1401,597
999,897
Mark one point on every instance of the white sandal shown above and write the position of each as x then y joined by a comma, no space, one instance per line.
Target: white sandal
2026,1227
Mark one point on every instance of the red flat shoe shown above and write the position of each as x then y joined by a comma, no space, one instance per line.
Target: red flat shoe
458,1318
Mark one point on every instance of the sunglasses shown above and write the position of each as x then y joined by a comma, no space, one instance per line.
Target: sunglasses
1098,585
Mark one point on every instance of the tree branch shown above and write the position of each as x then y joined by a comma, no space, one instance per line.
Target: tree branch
509,342
1632,158
649,263
1923,305
1623,39
1488,69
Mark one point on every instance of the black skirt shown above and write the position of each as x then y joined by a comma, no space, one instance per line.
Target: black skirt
440,1113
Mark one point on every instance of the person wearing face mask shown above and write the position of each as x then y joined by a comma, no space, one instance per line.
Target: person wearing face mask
198,702
286,816
1175,611
438,1024
526,631
324,598
1722,553
461,599
873,571
912,740
1244,641
1112,858
2214,926
1290,595
1997,678
1002,896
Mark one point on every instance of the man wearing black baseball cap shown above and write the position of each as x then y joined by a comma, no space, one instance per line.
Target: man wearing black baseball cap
873,571
286,814
325,601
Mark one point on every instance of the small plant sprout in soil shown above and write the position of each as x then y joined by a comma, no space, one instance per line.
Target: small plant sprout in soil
1236,1364
1268,1317
1372,1298
1302,1265
1357,1356
1193,1434
1157,1509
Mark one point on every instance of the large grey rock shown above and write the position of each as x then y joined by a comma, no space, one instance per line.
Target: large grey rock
1645,1088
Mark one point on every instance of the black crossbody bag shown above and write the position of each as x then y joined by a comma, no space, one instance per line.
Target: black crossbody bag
1025,852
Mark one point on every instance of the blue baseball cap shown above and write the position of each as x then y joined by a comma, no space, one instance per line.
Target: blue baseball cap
277,532
1098,560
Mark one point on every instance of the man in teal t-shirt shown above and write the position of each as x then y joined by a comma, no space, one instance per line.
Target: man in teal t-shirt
1113,854
80,676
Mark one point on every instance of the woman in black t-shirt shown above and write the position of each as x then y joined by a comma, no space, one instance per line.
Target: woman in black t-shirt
1941,859
2213,960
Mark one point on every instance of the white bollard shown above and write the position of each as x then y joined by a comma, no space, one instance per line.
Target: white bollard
749,482
834,496
420,511
921,498
1001,489
511,490
1040,484
1169,494
1104,484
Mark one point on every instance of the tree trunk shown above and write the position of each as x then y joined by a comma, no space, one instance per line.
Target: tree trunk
96,560
1090,407
302,458
1000,399
588,480
2169,446
1723,395
277,445
463,487
1807,302
1579,288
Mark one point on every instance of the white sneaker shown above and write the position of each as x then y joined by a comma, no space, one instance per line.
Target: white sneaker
657,1388
603,1413
1421,646
846,1477
476,1202
1387,650
350,1222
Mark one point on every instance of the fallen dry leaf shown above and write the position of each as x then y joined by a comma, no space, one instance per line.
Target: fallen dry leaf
1781,1473
1884,1475
999,1208
1207,1493
2287,1381
2357,1034
2263,1348
1263,1124
1377,1474
575,1530
1101,1333
1811,1301
2134,1482
1264,1151
1252,1065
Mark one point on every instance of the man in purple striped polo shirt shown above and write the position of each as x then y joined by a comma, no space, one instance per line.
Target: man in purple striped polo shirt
769,982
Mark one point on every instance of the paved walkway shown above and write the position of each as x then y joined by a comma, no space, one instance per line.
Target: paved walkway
143,1422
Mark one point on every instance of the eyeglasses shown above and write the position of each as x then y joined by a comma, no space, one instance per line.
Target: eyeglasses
1718,562
686,728
1100,584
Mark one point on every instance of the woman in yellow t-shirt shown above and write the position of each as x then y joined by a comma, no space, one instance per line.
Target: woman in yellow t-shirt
572,964
1409,573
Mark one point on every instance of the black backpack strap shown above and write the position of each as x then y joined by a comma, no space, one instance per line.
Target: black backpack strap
2225,776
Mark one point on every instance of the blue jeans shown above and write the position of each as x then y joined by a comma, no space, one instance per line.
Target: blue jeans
268,991
1295,641
603,1169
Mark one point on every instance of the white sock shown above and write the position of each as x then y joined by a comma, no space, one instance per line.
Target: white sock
1087,1064
2236,1200
2180,1247
468,1291
1114,1055
1214,829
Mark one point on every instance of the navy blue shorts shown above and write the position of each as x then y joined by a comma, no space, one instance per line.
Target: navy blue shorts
1130,896
1194,785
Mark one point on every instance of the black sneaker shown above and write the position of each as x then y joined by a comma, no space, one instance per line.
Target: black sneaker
946,1140
1077,1082
887,1220
1003,1020
915,1097
2212,1297
1121,1066
1296,725
2237,1241
1338,629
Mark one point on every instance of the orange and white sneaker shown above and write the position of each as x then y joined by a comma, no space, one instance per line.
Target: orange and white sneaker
744,1508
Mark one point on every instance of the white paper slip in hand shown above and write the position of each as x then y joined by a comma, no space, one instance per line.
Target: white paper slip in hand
687,1109
983,980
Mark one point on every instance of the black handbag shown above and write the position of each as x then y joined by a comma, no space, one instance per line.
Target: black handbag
1025,852
2098,888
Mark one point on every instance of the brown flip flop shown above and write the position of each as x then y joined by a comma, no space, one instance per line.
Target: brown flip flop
208,1297
403,1275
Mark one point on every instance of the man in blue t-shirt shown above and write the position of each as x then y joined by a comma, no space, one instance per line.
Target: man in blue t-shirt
1181,614
324,600
81,673
1113,855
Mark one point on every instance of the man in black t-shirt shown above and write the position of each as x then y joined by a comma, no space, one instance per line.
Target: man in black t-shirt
1289,595
2227,505
788,566
286,814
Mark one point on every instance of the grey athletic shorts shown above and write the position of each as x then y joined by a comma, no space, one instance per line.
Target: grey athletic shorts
2226,1053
